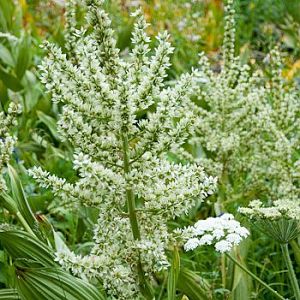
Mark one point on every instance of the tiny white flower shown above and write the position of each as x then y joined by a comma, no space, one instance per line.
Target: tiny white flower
223,246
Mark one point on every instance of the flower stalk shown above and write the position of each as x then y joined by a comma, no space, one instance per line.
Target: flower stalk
145,289
120,156
129,192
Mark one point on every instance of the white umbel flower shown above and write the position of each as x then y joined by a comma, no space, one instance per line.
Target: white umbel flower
281,209
224,232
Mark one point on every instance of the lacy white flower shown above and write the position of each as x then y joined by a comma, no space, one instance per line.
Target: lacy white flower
283,208
223,232
120,148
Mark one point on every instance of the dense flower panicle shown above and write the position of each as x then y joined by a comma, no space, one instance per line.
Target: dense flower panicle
120,149
246,129
7,140
223,232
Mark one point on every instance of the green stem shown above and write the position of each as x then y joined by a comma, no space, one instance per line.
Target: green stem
223,270
291,273
24,223
255,277
129,193
145,289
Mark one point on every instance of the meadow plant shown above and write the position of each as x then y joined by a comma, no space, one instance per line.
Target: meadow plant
281,222
122,119
246,130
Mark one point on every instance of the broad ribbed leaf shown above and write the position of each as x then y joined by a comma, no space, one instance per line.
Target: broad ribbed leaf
20,197
53,284
22,245
9,294
8,202
173,275
239,282
193,285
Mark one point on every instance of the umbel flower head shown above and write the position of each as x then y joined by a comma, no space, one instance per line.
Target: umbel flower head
223,232
120,148
281,221
246,130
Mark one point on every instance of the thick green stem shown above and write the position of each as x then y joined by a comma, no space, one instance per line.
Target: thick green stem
129,193
255,277
133,218
291,273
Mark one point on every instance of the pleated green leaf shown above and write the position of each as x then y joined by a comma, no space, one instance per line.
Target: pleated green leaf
239,282
20,198
53,284
8,202
173,275
22,245
9,294
193,285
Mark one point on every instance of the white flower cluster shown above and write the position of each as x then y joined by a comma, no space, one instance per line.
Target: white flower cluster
122,119
247,127
223,232
281,209
7,140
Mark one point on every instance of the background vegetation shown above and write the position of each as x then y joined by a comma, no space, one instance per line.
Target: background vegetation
194,25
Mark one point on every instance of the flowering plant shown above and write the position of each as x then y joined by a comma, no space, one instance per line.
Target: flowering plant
120,149
246,126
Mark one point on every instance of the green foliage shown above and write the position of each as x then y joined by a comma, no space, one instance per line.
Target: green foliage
173,275
9,294
36,220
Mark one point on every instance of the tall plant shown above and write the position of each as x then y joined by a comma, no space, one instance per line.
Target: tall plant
122,119
246,126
